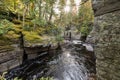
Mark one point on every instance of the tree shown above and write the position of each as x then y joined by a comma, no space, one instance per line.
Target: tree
85,18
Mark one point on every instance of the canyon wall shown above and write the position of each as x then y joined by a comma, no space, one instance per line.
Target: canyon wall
106,37
10,57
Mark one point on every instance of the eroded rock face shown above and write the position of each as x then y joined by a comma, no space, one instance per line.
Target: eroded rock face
10,58
101,7
108,46
106,35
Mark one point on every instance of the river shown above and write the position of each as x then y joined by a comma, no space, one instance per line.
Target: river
72,62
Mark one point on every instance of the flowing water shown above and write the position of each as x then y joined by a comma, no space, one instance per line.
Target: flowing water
70,63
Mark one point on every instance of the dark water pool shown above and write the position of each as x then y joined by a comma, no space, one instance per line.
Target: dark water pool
69,63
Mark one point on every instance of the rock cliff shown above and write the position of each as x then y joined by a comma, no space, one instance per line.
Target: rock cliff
10,57
106,37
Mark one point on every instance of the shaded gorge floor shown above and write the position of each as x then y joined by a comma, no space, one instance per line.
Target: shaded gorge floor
71,62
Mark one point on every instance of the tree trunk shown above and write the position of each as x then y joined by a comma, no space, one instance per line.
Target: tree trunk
14,4
24,13
40,7
18,16
51,14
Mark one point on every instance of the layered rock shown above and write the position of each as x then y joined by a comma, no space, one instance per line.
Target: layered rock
106,36
10,58
101,7
12,55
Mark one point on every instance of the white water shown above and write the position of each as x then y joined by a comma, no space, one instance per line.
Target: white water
88,47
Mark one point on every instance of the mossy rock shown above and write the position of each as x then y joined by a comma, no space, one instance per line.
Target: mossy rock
15,21
29,23
12,35
17,28
5,41
32,36
6,48
40,31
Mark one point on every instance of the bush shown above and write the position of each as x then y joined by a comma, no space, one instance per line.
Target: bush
59,38
86,18
39,22
53,30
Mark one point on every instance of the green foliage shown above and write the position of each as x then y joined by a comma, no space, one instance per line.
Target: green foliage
59,38
48,78
85,18
84,30
4,16
53,30
5,26
17,78
2,77
27,28
37,18
39,22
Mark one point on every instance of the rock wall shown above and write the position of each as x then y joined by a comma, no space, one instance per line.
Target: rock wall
108,46
10,58
106,36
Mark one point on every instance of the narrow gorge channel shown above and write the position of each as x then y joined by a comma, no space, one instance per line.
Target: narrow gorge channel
72,62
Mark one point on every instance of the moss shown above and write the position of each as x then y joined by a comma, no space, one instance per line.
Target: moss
40,30
32,36
15,21
17,28
29,23
12,35
4,41
6,47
